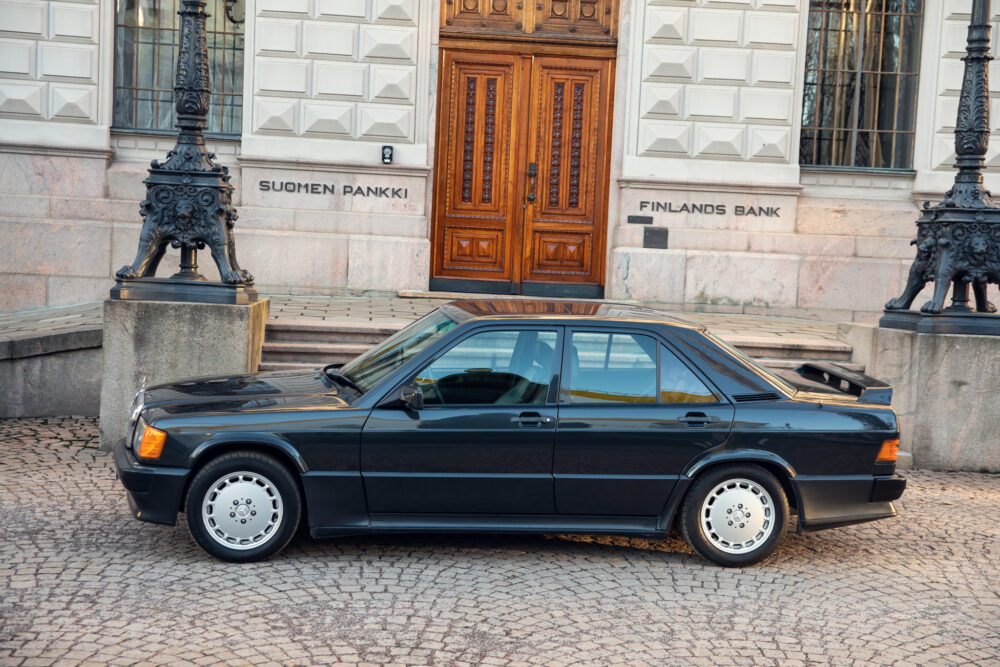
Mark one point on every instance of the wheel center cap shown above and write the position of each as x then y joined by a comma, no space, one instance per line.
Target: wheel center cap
739,515
242,511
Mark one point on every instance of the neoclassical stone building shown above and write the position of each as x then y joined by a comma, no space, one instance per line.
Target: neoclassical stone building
746,155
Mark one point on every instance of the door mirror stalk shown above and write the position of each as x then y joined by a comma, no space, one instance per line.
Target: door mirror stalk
411,397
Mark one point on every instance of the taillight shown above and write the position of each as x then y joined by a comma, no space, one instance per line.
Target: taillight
889,452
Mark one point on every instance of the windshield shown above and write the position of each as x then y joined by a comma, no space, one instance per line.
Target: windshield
368,370
760,370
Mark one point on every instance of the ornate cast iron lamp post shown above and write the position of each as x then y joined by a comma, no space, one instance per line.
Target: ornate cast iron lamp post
188,196
958,239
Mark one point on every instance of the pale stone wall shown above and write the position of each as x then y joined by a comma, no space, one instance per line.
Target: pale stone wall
705,136
708,125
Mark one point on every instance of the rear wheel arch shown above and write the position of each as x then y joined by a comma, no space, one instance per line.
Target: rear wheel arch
779,470
711,501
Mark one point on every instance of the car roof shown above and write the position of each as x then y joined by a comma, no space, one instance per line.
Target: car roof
478,309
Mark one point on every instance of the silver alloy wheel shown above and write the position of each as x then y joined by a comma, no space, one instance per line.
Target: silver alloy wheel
737,516
242,510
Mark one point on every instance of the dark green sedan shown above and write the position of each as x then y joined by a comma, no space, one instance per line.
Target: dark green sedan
519,416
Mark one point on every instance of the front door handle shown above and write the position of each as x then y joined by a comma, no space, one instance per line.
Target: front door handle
698,419
531,420
532,172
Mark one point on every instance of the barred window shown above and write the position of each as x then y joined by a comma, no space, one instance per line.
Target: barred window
860,98
146,36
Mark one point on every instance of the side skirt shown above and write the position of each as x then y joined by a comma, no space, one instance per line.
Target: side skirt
474,523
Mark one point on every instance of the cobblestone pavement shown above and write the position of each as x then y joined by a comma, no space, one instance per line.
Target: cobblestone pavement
80,581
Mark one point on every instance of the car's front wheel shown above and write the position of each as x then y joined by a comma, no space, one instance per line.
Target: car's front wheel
735,515
243,506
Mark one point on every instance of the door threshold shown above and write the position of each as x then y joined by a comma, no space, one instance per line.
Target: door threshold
427,294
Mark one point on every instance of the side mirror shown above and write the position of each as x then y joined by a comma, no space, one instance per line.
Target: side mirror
412,397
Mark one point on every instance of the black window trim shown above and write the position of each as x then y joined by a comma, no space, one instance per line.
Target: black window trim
661,340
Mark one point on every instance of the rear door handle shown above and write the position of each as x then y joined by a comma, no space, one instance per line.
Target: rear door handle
698,419
531,420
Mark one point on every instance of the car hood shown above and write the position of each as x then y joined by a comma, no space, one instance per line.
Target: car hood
274,391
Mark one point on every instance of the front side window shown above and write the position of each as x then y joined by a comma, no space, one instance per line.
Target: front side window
860,99
611,368
492,368
146,37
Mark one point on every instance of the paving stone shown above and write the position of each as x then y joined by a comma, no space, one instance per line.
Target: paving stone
83,583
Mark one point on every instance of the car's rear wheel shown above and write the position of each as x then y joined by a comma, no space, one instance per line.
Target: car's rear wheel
735,515
243,506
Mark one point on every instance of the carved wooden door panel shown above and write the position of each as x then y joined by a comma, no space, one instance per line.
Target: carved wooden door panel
563,238
521,173
477,198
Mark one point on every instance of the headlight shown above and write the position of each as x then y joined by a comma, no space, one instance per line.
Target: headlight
138,428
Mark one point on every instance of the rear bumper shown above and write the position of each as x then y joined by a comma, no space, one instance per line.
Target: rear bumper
154,492
829,502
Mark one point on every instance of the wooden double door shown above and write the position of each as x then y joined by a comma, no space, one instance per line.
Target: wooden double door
521,184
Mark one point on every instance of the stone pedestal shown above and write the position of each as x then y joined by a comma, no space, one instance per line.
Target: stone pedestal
945,390
168,341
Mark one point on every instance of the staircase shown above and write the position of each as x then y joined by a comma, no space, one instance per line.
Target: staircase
291,344
305,344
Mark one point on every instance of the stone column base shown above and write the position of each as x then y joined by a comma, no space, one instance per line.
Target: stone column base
166,341
944,391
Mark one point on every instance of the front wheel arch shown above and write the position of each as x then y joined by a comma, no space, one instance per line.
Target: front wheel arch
212,452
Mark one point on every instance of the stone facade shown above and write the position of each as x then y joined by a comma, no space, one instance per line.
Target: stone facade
706,124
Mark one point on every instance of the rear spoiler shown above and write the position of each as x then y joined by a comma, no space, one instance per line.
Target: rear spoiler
866,388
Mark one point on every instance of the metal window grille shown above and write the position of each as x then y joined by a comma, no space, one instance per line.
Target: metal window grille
146,34
860,97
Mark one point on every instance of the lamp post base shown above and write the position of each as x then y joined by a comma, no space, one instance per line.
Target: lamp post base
187,291
946,322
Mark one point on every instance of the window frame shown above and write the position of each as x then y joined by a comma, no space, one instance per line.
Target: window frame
132,87
853,100
551,397
661,341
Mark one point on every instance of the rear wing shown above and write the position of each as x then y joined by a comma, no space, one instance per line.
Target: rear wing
866,388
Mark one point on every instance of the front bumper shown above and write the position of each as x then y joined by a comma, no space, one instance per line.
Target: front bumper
830,502
154,492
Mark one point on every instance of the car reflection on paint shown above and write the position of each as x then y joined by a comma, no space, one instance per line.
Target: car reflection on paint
519,416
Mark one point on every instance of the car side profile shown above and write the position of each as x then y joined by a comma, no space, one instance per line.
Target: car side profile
519,416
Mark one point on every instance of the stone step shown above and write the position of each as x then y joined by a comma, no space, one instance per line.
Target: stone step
286,366
813,349
325,331
783,364
311,352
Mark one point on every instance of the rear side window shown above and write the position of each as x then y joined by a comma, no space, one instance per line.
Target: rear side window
610,368
678,384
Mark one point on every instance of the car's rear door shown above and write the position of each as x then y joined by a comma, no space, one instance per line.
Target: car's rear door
483,442
632,413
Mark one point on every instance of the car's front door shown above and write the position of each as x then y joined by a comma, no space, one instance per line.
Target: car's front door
482,444
631,415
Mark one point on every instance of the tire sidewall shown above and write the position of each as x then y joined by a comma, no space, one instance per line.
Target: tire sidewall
694,533
263,465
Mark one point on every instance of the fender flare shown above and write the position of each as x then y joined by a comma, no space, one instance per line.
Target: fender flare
254,439
686,479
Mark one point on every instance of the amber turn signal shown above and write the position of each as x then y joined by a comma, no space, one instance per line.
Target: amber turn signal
889,452
152,443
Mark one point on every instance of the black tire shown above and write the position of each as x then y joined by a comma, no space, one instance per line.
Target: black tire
243,473
731,486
